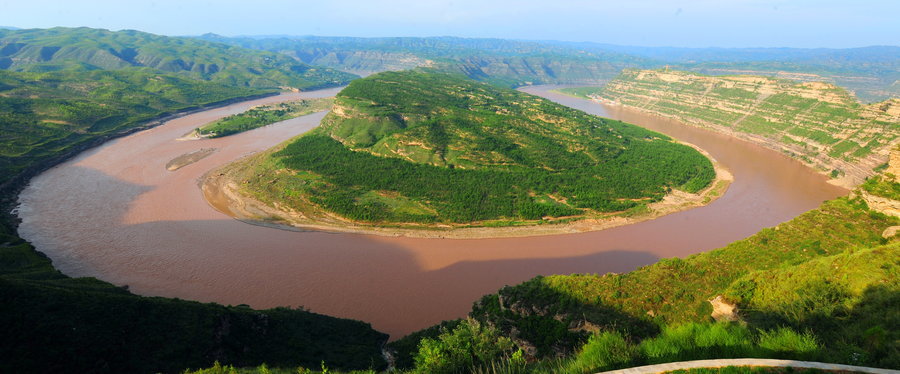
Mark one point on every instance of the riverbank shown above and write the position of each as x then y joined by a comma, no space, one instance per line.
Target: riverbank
10,190
841,172
853,175
222,189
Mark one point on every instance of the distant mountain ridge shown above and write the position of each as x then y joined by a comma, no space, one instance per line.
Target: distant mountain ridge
871,72
505,62
90,49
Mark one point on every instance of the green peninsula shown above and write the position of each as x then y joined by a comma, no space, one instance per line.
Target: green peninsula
424,149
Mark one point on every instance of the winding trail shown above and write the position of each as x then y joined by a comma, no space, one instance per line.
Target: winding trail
115,213
720,363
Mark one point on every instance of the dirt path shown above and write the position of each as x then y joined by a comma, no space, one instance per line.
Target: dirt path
759,100
662,368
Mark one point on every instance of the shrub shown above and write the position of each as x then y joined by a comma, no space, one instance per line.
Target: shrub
467,346
786,343
604,351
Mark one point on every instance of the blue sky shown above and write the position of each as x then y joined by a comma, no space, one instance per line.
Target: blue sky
689,23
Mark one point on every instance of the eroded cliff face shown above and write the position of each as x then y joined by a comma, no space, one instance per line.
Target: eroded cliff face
880,193
818,123
894,164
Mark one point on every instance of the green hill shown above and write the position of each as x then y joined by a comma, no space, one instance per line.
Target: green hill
427,147
818,123
59,48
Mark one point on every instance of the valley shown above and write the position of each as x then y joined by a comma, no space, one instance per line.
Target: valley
168,241
287,203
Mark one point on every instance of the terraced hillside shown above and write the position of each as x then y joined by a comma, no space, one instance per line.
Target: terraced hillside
39,50
818,123
422,147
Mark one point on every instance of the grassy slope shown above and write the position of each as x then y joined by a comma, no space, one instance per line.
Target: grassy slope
50,49
822,124
882,186
432,147
828,271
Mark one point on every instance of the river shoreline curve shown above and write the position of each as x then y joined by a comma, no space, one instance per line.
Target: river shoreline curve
221,189
116,213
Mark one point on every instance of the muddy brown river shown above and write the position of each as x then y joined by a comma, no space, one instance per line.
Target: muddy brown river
116,213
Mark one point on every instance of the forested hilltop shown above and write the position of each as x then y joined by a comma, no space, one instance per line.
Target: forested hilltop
818,123
40,50
425,147
75,88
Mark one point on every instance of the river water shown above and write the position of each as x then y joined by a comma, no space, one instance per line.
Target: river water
116,213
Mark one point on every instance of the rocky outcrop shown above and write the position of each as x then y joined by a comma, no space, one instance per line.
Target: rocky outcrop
882,204
876,198
894,163
723,310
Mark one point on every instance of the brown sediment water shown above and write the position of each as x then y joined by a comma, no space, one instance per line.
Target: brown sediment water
116,213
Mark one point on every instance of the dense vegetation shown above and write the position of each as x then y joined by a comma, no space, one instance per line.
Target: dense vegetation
432,147
818,123
823,286
57,48
262,116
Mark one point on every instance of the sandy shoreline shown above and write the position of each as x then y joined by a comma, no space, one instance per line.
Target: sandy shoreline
222,191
